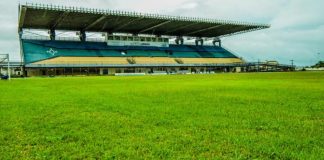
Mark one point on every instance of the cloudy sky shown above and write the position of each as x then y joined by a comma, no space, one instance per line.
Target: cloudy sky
297,26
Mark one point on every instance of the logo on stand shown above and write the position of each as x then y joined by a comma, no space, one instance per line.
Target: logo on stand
52,51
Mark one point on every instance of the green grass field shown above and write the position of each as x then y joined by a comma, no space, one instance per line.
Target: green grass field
222,116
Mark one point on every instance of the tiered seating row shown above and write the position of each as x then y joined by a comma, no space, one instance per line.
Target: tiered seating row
39,50
137,60
85,60
210,60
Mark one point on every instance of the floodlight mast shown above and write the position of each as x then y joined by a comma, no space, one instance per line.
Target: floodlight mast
9,76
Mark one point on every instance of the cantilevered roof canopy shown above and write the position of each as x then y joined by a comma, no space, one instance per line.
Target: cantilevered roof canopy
39,16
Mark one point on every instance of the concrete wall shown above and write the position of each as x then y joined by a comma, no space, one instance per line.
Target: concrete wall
315,69
112,71
14,71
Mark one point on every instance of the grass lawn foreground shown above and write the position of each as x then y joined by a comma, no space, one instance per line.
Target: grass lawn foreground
219,116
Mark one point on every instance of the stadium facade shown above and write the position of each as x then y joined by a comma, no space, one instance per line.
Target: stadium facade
133,43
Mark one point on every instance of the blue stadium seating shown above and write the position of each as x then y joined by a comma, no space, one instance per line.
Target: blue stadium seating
37,50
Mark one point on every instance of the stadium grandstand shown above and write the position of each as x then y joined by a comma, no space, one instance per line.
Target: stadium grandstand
126,43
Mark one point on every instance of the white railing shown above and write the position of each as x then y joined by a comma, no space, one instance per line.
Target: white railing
193,43
89,39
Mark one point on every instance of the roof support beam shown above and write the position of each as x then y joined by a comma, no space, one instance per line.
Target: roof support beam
206,29
104,26
22,16
59,20
95,22
180,28
126,24
158,25
238,31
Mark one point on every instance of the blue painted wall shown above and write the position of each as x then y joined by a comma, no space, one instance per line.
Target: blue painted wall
36,50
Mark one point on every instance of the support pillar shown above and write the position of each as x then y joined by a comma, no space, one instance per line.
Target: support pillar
23,68
179,40
52,34
82,36
217,40
199,40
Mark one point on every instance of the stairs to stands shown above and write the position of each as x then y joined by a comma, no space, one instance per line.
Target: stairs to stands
179,61
131,61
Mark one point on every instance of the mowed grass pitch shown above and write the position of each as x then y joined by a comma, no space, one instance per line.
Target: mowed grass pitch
222,116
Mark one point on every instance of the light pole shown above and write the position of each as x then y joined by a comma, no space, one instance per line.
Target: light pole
9,76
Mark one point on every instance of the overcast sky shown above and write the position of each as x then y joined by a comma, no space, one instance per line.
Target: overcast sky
297,26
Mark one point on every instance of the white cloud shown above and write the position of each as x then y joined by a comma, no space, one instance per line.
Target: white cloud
300,14
190,5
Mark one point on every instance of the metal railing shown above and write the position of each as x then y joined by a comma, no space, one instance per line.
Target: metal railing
134,65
